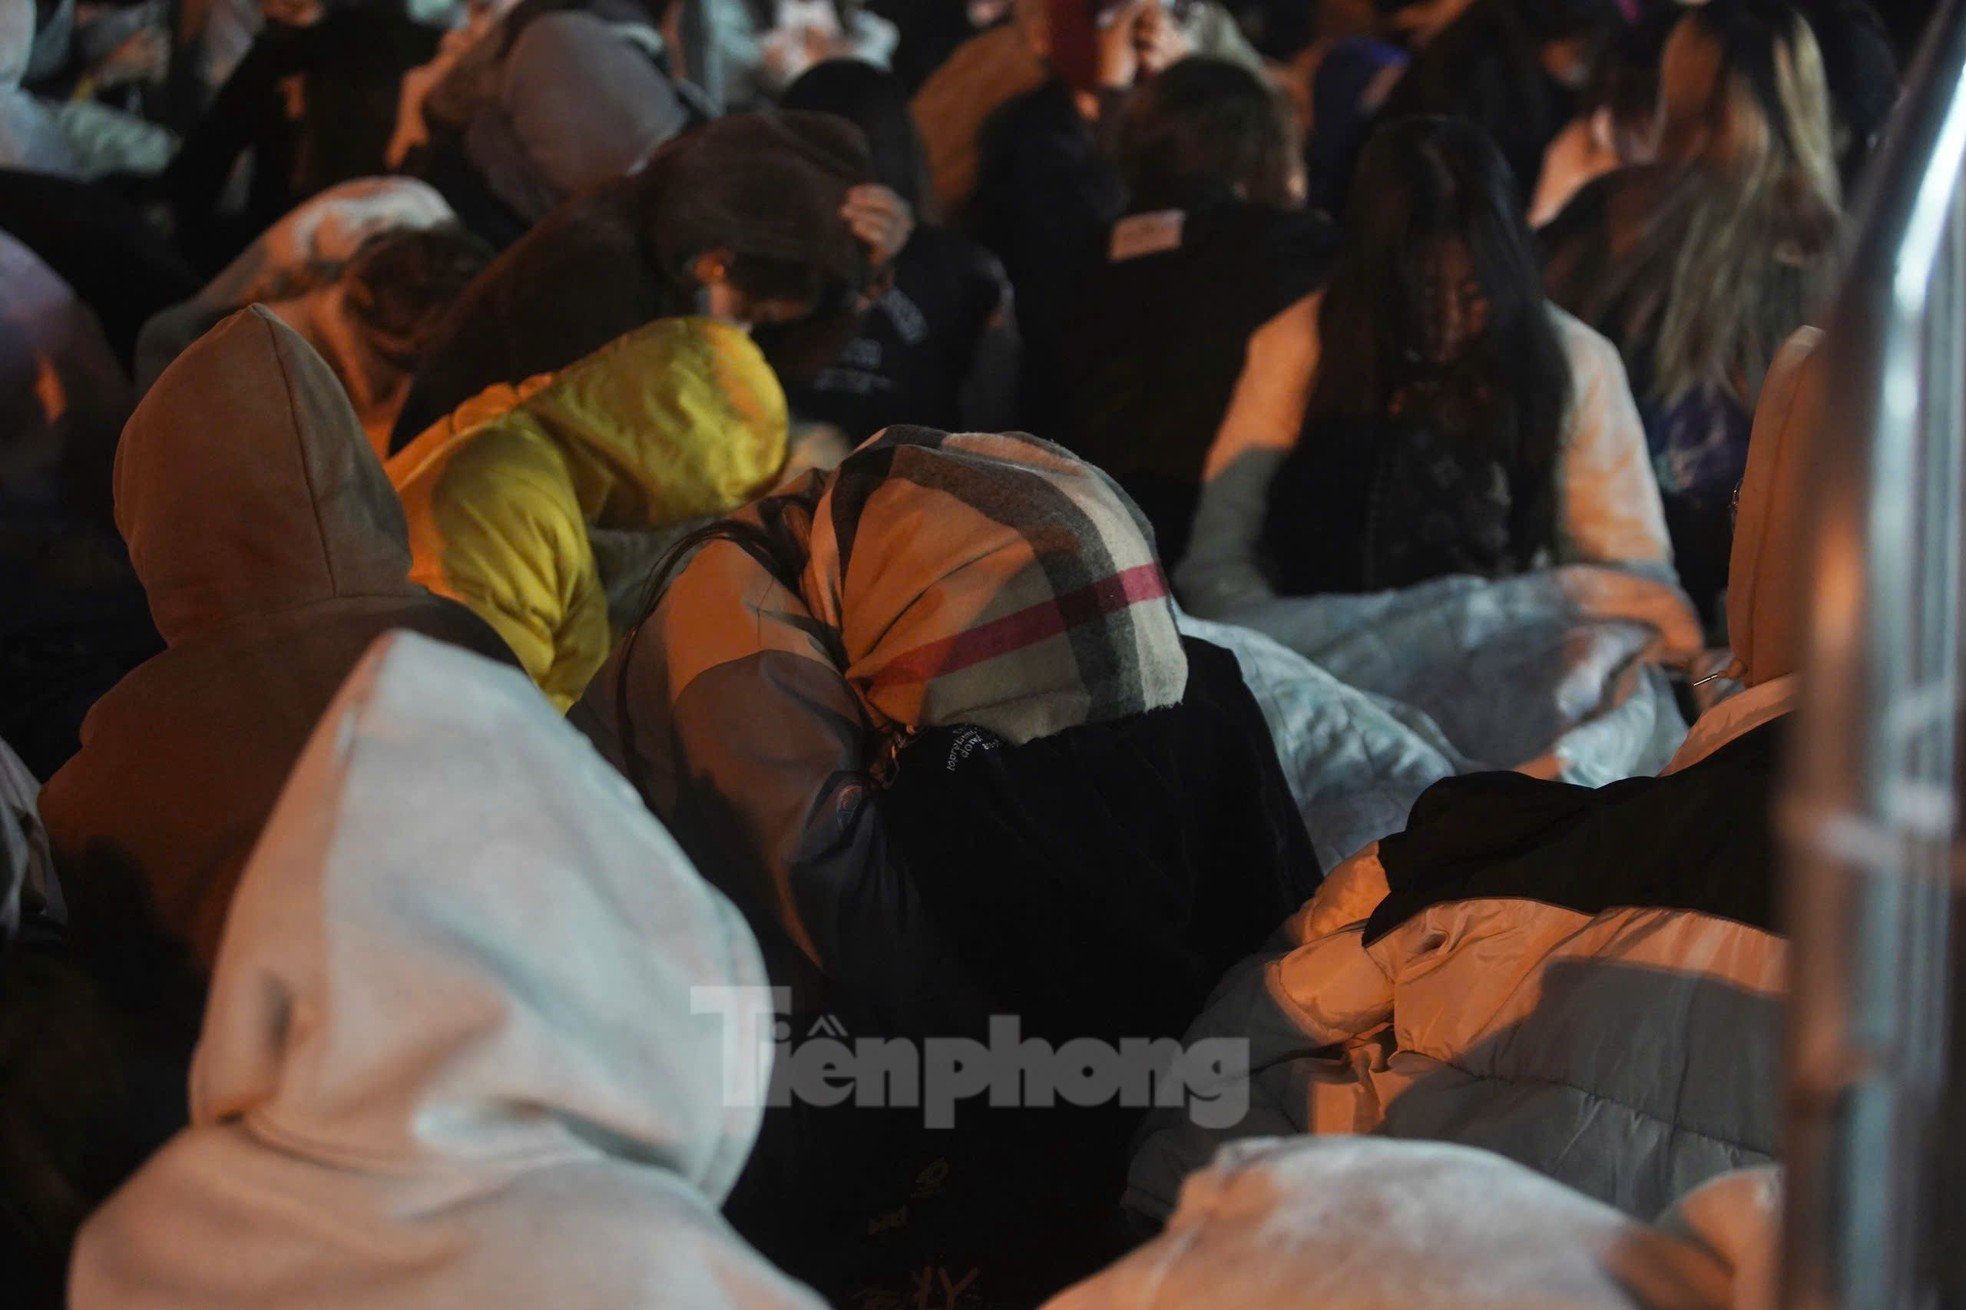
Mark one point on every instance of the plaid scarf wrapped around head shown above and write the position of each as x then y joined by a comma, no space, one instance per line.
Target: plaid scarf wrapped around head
990,579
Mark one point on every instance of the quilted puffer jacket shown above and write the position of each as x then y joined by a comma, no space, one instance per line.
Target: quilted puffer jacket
679,420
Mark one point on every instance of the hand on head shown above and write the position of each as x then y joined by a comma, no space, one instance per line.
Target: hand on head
880,219
1137,39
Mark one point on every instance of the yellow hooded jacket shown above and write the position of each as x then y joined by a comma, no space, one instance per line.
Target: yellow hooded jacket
677,420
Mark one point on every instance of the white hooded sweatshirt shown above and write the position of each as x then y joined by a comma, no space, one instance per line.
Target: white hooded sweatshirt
450,1057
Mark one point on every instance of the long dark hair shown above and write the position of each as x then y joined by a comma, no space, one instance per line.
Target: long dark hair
1420,181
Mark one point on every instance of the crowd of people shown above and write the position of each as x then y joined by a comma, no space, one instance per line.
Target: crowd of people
540,533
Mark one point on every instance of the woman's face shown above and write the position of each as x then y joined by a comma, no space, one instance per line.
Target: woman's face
1454,306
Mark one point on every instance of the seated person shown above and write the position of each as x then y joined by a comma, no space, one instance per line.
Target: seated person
1443,982
313,103
272,551
938,347
1514,69
452,1055
775,221
676,422
557,96
365,272
1213,246
1429,412
1005,60
1047,189
1699,263
928,720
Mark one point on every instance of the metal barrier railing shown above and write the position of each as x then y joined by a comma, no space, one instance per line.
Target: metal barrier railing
1876,1189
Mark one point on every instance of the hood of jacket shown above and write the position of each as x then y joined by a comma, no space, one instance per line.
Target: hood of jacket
676,420
244,483
680,419
452,1053
1765,577
445,836
990,579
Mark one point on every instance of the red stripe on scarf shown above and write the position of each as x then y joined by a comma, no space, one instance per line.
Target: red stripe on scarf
1027,626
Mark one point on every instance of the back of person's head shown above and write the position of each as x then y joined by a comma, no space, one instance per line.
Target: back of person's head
875,101
245,483
551,1079
400,285
1743,238
1207,130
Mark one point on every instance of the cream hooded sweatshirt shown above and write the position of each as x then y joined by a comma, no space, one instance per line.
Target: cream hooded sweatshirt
450,1057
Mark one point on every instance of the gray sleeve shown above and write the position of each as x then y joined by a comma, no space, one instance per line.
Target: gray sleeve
1221,573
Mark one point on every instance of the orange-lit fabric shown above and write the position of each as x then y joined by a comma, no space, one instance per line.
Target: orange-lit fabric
1771,545
992,580
273,552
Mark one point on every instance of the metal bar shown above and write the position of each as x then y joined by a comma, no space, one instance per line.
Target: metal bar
1869,816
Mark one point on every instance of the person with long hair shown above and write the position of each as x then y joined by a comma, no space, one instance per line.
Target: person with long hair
1702,262
1428,412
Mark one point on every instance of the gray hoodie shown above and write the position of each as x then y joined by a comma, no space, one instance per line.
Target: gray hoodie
452,1056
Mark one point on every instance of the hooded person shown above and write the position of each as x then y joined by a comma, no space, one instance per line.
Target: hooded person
558,96
741,218
1456,981
272,552
678,421
548,1124
928,720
